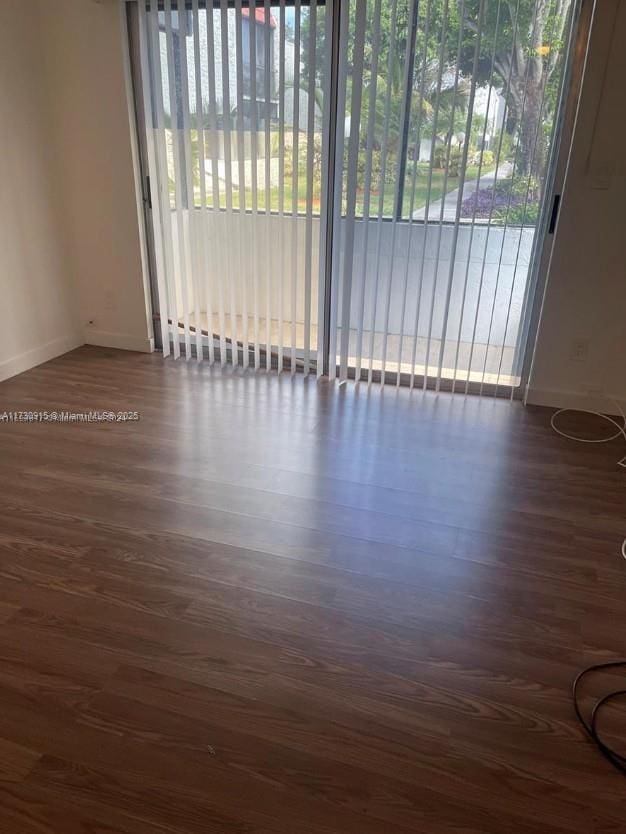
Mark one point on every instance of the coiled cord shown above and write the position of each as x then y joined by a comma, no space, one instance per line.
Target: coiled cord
617,759
620,432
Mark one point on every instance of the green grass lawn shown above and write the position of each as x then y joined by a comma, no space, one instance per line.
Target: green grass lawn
421,192
284,196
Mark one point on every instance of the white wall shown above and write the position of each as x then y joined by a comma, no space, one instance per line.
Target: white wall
586,292
39,320
84,77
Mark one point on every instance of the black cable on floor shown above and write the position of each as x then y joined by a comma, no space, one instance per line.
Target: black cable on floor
618,760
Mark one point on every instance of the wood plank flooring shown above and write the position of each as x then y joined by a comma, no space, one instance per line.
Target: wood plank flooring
279,606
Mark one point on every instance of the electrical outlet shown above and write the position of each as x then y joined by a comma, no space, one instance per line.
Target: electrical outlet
110,303
579,350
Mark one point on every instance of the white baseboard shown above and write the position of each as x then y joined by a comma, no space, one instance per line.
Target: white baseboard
121,341
43,353
574,399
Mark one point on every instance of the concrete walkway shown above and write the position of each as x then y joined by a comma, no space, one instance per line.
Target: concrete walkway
469,187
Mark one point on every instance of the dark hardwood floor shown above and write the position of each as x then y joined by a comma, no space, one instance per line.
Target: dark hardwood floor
280,606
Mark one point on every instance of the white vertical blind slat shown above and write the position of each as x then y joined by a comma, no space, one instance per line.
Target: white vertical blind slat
170,312
478,178
398,192
295,151
381,189
281,179
422,264
178,151
254,185
228,176
337,197
192,239
367,187
204,266
429,337
353,158
417,144
459,201
489,226
215,249
146,24
267,80
325,203
242,245
308,242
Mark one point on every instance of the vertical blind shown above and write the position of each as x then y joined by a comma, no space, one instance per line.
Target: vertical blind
399,247
236,146
449,110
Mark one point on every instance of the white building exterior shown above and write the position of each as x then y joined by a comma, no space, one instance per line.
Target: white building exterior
215,57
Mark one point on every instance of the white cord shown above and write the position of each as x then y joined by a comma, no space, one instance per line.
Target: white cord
621,428
621,432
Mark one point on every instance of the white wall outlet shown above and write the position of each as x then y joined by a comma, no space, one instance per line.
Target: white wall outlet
109,301
579,350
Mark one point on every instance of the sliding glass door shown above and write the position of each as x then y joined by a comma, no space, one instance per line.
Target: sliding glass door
356,189
234,110
449,110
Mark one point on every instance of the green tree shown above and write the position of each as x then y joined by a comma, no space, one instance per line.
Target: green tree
526,40
521,53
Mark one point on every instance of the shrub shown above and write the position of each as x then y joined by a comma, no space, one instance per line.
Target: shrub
454,162
439,156
483,203
514,201
518,214
477,156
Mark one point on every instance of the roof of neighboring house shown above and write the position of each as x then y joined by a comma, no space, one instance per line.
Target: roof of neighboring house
259,16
